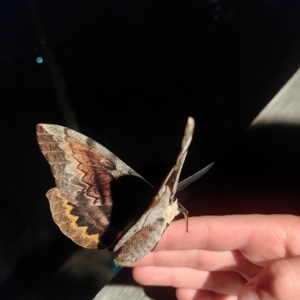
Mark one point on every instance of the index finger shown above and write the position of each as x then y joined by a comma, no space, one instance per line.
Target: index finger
265,237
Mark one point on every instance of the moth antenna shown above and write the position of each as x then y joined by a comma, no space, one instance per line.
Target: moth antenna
185,213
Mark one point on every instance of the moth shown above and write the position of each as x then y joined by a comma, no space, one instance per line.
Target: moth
100,202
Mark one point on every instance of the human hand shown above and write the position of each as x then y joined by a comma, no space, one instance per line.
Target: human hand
226,258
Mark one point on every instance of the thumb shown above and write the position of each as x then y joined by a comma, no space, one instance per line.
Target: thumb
280,280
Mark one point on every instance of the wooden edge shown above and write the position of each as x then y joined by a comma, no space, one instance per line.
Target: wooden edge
284,108
123,287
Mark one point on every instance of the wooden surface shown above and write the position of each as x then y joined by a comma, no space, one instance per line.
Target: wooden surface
284,108
124,287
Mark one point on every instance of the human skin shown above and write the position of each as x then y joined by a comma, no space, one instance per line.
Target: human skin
227,257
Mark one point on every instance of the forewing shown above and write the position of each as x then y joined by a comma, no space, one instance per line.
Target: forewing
144,235
82,168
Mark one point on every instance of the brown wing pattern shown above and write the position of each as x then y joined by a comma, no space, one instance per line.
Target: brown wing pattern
82,168
84,172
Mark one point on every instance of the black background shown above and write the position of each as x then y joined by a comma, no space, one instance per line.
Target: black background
134,71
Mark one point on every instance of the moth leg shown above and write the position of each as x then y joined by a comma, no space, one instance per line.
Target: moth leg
185,213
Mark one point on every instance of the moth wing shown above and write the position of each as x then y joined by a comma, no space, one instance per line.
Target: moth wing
71,220
88,177
82,168
144,235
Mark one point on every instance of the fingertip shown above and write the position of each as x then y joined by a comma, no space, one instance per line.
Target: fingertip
151,275
140,275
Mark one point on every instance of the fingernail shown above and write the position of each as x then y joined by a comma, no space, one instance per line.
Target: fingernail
248,294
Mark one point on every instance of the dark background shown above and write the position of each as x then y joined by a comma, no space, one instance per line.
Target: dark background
132,71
